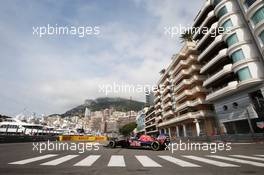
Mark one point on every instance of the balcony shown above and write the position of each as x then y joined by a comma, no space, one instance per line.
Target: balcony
158,105
189,115
156,92
186,72
193,91
157,99
151,125
217,40
167,106
167,98
190,104
166,82
165,90
202,12
150,119
189,82
218,57
232,86
153,131
208,34
210,16
183,64
157,112
168,114
227,69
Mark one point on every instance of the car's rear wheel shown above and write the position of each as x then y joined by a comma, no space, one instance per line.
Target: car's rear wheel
155,146
112,144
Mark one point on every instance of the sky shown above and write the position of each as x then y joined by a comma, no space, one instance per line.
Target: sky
53,73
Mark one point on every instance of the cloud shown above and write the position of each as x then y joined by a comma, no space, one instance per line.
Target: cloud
52,74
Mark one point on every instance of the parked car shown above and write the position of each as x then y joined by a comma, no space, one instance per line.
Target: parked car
144,141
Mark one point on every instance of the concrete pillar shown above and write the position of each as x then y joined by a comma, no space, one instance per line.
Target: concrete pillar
177,131
169,132
197,127
184,130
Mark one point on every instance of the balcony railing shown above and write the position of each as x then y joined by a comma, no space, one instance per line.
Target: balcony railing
217,40
226,70
223,91
189,81
211,30
218,57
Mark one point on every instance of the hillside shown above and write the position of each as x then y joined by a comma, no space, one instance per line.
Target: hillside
98,104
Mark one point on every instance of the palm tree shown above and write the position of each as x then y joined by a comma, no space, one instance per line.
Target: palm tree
163,71
187,35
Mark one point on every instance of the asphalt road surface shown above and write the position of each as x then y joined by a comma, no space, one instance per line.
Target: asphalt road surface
20,158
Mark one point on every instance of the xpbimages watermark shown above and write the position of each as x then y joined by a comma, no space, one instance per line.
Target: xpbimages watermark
192,146
80,147
174,31
79,31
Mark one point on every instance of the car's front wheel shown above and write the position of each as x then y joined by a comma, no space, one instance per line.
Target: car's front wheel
112,144
155,146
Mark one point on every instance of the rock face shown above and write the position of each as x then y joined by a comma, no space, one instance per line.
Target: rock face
120,104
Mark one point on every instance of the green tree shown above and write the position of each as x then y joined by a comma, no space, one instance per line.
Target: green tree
187,35
127,129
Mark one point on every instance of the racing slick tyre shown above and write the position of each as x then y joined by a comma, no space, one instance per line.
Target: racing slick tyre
155,146
112,144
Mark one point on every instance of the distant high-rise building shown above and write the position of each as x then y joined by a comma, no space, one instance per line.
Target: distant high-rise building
149,98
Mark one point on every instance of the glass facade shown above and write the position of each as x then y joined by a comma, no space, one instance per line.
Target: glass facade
261,36
258,16
244,74
248,3
227,25
232,40
222,12
216,2
237,55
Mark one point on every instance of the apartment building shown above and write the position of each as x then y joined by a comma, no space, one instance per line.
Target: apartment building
253,11
180,106
232,61
151,122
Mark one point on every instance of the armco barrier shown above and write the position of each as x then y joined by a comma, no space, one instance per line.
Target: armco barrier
82,138
25,138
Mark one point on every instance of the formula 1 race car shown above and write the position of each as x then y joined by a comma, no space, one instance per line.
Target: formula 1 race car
144,141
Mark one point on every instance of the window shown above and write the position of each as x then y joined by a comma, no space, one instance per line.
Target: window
222,12
258,16
227,25
244,74
216,2
232,40
235,105
261,36
237,55
248,3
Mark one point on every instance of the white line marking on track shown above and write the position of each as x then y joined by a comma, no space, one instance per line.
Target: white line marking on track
179,162
59,160
22,162
117,161
212,162
238,160
260,155
248,157
147,162
88,161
